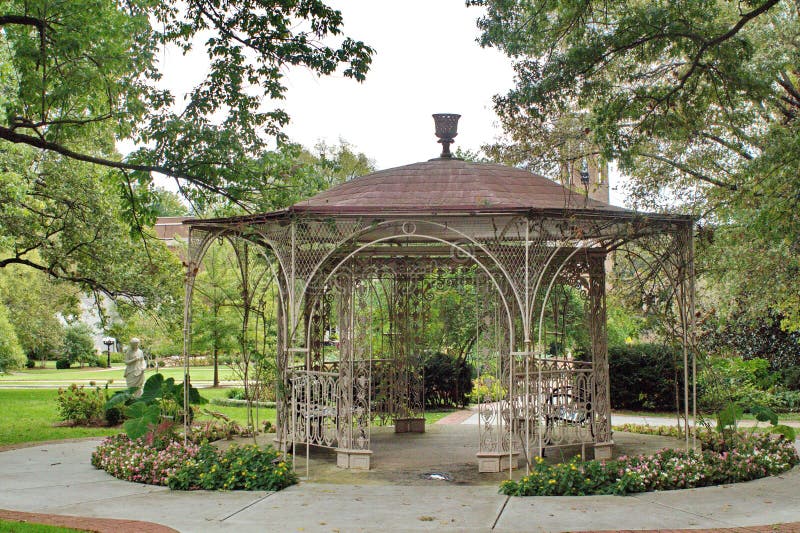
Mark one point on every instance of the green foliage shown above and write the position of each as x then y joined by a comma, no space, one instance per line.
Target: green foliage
487,388
748,458
63,364
237,468
65,219
113,84
663,431
448,381
787,432
33,303
136,461
696,101
80,405
728,417
191,467
750,383
160,399
142,417
762,338
11,355
78,345
168,204
643,376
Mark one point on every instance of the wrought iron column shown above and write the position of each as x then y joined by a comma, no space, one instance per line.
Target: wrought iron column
599,340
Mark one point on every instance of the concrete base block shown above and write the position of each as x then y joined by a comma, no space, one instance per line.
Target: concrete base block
409,425
603,450
494,462
353,459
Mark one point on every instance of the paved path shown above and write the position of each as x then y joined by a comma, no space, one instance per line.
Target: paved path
58,479
464,417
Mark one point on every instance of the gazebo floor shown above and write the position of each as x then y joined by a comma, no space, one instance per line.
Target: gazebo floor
406,459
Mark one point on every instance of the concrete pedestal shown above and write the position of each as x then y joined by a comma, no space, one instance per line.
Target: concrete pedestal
353,459
409,425
493,462
603,450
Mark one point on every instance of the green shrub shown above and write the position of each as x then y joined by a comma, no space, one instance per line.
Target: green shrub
160,399
80,405
30,363
448,381
133,460
78,344
228,402
487,388
188,466
726,379
236,393
62,364
642,376
724,461
237,468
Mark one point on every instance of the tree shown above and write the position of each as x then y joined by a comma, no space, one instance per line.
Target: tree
65,219
34,304
697,101
78,345
168,204
216,322
11,354
80,67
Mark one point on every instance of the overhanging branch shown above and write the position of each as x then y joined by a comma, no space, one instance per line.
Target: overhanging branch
43,144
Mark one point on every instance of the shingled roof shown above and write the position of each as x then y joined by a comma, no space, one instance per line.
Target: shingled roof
448,185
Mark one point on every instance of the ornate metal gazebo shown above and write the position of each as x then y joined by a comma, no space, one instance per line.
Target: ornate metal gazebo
353,266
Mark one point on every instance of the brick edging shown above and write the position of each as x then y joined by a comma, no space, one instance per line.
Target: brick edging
789,527
456,417
100,525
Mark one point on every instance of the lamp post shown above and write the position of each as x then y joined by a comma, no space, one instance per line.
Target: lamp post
109,342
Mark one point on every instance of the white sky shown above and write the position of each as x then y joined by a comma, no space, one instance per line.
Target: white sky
426,61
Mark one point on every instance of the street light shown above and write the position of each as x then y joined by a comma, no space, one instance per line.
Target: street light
109,342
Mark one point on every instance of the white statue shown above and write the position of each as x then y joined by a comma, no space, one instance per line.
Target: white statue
135,365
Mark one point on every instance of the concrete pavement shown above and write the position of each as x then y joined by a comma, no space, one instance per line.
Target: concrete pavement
58,479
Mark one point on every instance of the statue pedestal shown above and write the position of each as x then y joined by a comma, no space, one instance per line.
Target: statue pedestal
409,425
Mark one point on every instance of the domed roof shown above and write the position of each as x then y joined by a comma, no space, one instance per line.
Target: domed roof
449,185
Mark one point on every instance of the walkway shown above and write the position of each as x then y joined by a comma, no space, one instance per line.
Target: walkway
58,479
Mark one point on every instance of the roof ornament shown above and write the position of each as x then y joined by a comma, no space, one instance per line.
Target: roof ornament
446,131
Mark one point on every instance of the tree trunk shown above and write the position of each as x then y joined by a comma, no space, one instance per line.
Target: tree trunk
216,367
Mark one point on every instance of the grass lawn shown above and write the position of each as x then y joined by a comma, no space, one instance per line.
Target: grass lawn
431,417
12,526
102,375
29,415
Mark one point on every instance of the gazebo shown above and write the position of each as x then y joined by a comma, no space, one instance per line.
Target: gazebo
354,268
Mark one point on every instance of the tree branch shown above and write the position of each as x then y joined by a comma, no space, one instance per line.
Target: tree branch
692,172
23,20
43,144
88,282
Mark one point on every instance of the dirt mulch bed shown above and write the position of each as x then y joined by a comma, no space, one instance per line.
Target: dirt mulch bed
100,525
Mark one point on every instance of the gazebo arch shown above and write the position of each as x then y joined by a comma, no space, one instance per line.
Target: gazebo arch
403,227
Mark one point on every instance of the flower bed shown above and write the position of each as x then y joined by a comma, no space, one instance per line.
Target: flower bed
664,431
741,459
191,466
